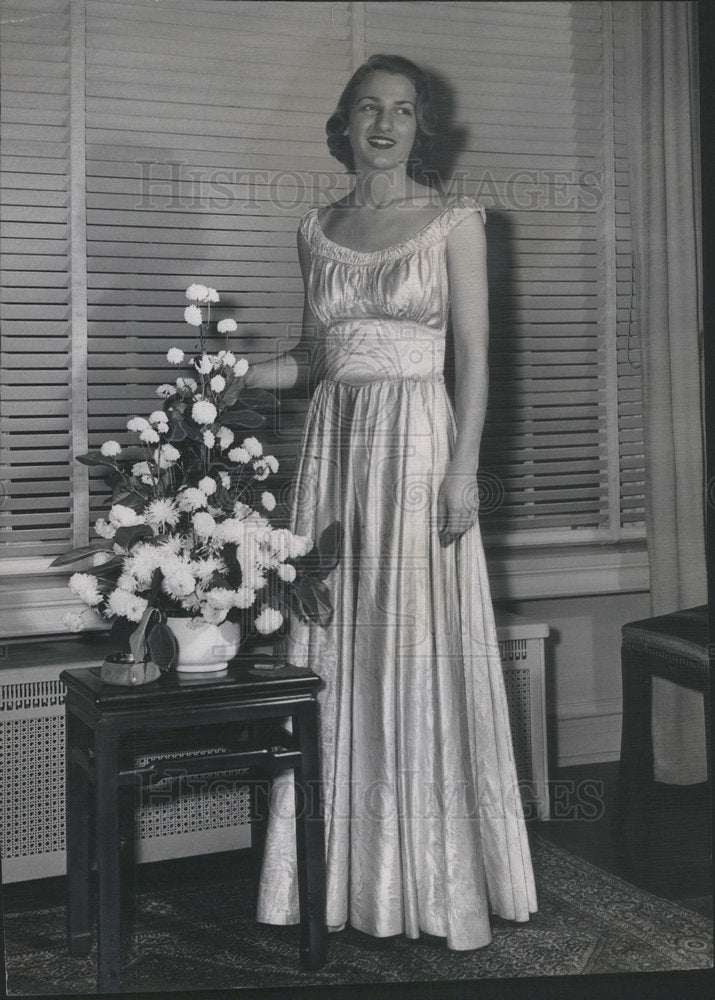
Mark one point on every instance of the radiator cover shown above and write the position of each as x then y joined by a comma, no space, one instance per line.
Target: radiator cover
32,788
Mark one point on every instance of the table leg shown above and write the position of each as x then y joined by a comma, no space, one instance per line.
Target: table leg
79,937
107,841
310,840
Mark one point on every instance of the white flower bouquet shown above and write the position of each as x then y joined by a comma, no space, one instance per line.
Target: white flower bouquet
187,533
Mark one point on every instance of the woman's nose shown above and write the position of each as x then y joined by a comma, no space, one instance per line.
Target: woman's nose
384,121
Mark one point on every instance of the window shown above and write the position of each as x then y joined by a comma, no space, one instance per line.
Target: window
146,145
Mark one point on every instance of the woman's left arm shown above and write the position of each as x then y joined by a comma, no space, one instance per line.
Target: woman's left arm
467,271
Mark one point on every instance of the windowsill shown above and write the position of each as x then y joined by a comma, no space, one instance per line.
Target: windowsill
35,603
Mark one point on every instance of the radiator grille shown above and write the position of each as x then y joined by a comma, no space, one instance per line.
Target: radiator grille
32,813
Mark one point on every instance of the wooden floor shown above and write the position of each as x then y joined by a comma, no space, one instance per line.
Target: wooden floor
675,865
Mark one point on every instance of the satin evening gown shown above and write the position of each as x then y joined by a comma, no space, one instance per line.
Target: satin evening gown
424,821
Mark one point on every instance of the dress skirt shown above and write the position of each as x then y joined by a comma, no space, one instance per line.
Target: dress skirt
423,816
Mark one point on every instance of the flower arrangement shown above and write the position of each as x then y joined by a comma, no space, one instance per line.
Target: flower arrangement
187,532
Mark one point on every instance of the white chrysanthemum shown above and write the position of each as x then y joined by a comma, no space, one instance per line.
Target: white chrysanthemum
225,479
174,355
272,462
268,500
213,616
140,469
209,438
124,517
207,485
104,529
203,569
268,620
126,605
110,449
218,383
84,586
261,471
100,558
204,524
253,577
197,293
137,424
227,358
162,513
204,412
178,579
191,499
203,364
239,455
227,325
139,567
166,455
220,597
74,621
158,417
286,572
241,509
186,384
212,296
299,545
244,597
231,530
240,367
192,315
165,390
149,436
253,446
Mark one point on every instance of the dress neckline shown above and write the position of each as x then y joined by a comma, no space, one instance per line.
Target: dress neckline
393,249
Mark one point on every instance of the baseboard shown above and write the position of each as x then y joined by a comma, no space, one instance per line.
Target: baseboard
587,732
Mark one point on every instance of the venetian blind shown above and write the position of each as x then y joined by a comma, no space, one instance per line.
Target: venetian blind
35,443
205,144
526,82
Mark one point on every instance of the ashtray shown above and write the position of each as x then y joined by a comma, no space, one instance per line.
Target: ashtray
120,668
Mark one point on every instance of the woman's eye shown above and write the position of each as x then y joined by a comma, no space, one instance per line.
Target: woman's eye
405,111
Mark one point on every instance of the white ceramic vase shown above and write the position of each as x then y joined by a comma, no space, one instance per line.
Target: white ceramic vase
204,648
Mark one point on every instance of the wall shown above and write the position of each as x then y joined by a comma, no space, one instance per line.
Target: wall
583,671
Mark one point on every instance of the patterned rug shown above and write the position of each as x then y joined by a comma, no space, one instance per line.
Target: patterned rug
204,937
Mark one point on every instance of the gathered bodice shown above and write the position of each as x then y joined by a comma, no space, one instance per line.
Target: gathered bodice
383,313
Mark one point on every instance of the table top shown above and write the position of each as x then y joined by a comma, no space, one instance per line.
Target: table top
257,676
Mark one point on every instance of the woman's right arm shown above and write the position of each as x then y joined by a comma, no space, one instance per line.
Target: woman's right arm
292,368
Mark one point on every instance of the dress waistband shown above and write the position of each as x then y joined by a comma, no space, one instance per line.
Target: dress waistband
434,377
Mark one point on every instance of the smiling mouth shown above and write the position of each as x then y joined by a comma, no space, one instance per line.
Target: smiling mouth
381,142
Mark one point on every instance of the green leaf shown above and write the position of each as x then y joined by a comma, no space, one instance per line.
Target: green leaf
315,600
156,581
329,546
93,458
258,398
130,535
243,418
137,640
82,553
163,646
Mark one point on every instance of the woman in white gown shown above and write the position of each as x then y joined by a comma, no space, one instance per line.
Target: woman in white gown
424,823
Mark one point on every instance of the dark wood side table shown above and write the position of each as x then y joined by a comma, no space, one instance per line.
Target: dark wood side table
103,720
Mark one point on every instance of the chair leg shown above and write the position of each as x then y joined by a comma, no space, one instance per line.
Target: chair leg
635,774
310,841
79,934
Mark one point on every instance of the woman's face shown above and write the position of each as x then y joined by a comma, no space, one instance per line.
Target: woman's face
383,121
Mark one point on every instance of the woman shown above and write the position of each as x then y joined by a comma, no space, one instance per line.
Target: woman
424,825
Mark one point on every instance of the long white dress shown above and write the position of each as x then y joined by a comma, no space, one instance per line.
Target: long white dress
424,822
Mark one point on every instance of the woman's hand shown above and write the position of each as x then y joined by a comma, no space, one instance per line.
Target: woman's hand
457,503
